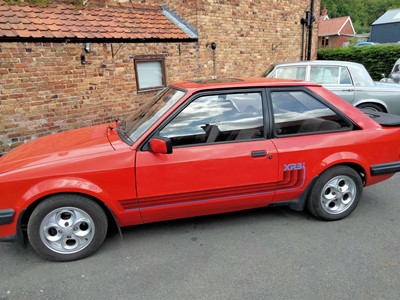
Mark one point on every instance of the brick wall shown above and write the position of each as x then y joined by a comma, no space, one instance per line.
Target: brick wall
347,29
45,89
251,35
339,40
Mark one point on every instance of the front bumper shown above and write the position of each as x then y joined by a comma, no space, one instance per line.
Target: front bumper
11,227
11,238
6,216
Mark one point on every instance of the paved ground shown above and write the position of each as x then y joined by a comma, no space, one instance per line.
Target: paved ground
271,253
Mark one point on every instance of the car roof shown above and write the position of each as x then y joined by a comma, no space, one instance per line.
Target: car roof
365,43
226,83
319,62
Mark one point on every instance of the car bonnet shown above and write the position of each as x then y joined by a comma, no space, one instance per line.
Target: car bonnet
57,147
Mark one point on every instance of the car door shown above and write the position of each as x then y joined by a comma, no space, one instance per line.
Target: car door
221,159
306,131
337,79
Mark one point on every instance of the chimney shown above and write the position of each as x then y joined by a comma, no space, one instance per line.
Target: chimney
324,13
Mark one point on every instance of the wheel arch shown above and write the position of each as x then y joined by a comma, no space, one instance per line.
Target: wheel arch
356,167
372,101
26,214
350,159
300,203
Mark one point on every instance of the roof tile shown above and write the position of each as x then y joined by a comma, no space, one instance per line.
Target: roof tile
117,20
108,35
3,32
35,34
17,26
58,34
22,32
47,34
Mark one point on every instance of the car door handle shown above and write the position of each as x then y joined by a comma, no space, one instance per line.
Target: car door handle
259,153
349,90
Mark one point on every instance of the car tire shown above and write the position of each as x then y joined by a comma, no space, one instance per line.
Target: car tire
335,194
372,107
67,227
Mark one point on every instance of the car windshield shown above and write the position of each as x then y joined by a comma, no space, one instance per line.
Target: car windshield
141,120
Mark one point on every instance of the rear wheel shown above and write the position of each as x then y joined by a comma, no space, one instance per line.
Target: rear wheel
372,107
67,227
335,194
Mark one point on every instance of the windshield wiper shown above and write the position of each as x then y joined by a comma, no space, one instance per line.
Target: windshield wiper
123,124
123,134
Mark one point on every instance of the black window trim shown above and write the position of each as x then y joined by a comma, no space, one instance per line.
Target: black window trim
352,124
150,134
266,113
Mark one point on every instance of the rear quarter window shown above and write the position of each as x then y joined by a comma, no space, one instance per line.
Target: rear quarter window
297,112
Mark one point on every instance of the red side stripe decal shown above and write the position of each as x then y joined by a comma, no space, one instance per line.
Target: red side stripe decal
293,179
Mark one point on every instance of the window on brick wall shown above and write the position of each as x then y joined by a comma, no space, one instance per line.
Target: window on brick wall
150,72
325,42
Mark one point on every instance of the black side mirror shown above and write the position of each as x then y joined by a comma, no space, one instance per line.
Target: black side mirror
161,144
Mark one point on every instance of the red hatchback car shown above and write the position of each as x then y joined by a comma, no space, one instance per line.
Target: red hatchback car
197,148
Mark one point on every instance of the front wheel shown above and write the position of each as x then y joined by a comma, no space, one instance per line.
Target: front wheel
67,227
335,194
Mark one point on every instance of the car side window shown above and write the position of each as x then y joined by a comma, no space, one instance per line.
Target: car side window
217,118
324,75
297,112
345,76
291,72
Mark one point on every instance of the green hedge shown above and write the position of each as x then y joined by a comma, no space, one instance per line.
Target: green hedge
376,59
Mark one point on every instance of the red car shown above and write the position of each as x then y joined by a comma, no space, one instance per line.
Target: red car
198,148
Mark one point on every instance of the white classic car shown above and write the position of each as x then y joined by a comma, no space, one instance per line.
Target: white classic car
394,76
349,80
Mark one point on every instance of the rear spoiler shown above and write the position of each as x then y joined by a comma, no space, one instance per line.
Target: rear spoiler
384,119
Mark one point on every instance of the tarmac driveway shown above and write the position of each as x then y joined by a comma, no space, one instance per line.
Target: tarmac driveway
271,253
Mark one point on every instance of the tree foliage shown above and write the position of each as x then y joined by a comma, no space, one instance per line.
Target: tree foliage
362,12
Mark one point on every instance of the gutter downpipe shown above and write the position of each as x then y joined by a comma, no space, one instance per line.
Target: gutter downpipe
310,21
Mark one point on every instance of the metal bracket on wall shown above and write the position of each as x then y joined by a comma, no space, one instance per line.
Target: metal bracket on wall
275,47
112,50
